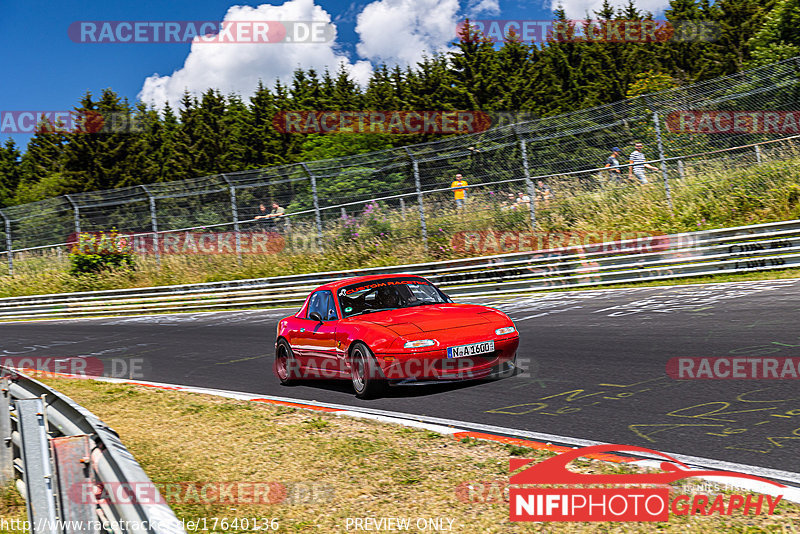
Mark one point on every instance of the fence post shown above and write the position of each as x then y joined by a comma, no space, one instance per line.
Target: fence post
9,250
154,224
422,224
316,203
403,208
528,182
35,449
77,211
758,154
680,169
70,455
663,162
235,213
6,452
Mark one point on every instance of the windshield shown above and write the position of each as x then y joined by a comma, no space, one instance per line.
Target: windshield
388,294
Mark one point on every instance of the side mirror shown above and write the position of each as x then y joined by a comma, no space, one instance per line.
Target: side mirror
315,316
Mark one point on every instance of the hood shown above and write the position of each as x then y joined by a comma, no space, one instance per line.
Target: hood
430,318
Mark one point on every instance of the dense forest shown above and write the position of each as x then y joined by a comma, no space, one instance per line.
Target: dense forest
216,133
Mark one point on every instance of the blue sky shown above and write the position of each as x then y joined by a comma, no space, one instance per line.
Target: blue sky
46,71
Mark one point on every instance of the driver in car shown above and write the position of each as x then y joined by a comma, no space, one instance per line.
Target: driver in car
387,297
394,297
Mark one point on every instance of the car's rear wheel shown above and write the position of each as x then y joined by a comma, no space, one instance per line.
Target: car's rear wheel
367,377
285,365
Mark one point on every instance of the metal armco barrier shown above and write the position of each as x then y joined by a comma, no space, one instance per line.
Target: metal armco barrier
57,452
726,250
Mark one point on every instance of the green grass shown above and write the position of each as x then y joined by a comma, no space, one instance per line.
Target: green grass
341,469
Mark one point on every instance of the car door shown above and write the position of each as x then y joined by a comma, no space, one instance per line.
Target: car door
320,350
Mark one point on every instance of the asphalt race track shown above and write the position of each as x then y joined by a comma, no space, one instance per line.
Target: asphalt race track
594,366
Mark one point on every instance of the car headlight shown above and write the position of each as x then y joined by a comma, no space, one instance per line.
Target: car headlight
505,330
419,343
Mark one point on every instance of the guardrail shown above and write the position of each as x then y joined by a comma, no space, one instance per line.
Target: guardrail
57,452
726,250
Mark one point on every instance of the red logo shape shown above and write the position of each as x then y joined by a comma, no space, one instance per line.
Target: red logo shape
554,470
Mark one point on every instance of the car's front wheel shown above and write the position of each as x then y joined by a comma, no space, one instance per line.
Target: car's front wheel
285,365
505,370
368,379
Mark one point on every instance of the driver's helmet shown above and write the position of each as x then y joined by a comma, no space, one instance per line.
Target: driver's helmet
388,297
394,296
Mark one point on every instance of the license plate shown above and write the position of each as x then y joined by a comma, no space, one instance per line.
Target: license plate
472,349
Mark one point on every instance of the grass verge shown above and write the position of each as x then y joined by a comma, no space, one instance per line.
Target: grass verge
335,468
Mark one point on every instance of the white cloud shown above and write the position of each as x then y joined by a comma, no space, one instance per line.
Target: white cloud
577,9
480,7
402,31
237,68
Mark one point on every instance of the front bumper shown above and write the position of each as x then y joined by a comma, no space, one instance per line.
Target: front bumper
435,365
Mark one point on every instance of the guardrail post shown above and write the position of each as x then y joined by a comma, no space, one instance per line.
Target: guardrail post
758,154
9,249
77,503
528,182
38,474
316,203
6,452
663,162
422,224
154,224
235,213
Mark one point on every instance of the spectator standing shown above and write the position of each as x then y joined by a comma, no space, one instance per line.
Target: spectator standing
262,215
543,192
612,164
276,213
638,165
459,193
523,199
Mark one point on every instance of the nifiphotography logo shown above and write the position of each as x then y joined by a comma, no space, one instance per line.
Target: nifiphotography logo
650,502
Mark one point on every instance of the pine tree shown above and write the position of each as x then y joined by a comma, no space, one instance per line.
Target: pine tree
10,172
779,36
473,69
738,20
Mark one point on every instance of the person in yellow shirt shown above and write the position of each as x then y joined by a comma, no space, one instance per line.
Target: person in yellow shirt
460,193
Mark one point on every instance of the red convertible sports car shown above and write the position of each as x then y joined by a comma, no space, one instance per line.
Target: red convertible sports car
392,328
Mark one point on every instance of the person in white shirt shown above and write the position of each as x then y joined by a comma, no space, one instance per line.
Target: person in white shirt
638,165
